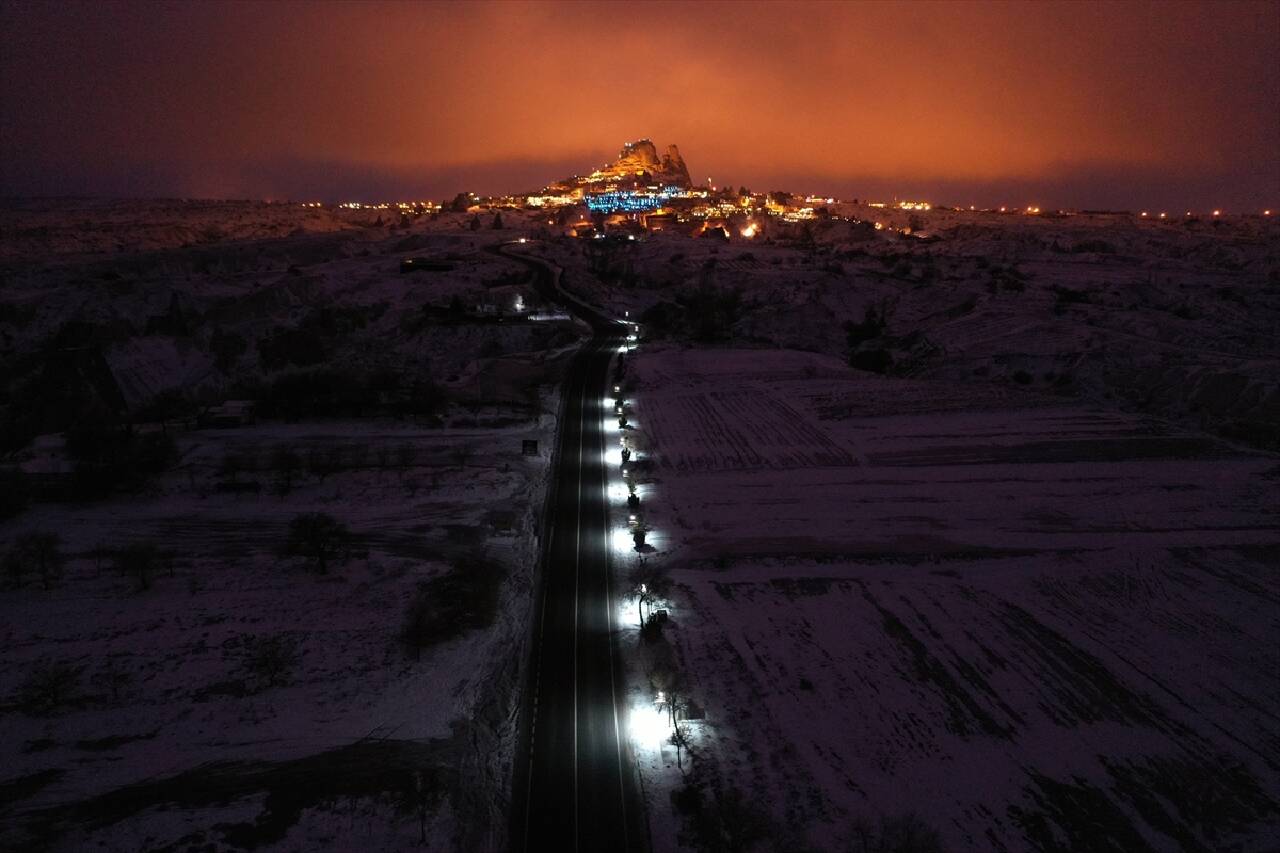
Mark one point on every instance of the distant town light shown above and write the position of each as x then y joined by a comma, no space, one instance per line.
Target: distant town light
1217,213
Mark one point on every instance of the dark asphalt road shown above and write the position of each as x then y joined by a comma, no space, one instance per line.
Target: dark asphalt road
575,783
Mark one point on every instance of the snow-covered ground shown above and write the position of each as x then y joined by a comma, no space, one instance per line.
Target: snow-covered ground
1034,623
240,700
186,695
1011,580
1016,575
42,228
1177,318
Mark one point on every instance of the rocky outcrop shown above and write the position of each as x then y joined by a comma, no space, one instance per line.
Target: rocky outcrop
673,165
639,164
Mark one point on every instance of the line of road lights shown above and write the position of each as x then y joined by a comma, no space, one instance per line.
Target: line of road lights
1216,213
635,530
1144,214
647,724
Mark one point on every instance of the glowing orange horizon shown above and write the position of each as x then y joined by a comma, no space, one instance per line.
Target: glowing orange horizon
948,101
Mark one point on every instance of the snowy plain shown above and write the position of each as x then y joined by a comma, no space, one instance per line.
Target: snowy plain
170,733
1020,582
1019,586
999,617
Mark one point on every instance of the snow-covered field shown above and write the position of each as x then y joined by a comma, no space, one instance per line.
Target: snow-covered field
164,680
238,699
1176,318
42,228
1034,623
1014,575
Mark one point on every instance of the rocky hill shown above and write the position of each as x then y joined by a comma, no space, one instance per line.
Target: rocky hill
639,163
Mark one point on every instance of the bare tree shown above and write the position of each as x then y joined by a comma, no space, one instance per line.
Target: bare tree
404,457
318,537
49,686
669,683
902,833
139,561
113,675
270,660
35,552
743,822
649,583
680,740
287,464
462,453
675,697
323,462
231,466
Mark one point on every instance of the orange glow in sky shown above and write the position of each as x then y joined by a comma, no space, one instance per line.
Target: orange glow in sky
1133,104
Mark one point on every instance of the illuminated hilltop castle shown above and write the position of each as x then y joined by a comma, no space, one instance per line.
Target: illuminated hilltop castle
636,168
638,165
638,180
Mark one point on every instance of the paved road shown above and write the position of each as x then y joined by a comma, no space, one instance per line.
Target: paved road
575,784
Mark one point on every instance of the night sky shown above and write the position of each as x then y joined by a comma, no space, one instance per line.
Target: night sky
1136,105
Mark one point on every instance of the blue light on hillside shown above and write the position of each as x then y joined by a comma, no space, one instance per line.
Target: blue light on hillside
632,201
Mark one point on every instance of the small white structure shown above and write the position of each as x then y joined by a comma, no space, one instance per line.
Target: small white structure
230,413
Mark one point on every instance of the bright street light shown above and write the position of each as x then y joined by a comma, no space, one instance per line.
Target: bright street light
648,726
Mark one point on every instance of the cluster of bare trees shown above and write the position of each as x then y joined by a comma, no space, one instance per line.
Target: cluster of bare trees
36,553
51,686
269,660
141,561
287,466
464,598
671,690
320,539
39,554
650,583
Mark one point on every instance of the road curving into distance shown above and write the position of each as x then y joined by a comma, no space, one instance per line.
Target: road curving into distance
575,786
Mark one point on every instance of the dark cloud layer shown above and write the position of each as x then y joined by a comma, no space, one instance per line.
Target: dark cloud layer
1163,105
